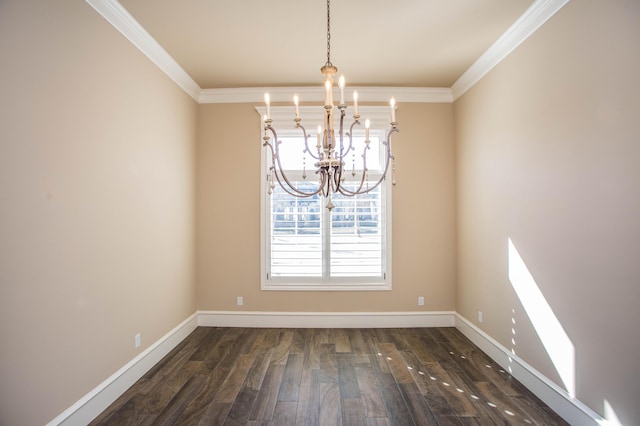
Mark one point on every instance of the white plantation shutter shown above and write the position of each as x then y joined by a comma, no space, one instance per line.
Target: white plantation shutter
296,235
356,236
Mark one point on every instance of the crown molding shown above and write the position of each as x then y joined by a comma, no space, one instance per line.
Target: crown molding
316,94
121,19
536,15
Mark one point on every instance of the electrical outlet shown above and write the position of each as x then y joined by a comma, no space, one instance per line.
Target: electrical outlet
479,316
421,301
137,340
239,301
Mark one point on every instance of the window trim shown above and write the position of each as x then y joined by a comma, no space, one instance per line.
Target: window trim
282,120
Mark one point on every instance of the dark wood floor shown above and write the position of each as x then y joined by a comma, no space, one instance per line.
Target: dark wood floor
249,376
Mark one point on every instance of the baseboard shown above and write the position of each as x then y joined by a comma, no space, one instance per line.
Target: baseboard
568,407
96,401
325,319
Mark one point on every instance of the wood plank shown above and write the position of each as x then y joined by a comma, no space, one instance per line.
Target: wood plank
243,403
284,414
201,402
267,395
356,340
282,347
378,422
420,411
170,414
397,411
309,403
460,399
215,415
352,412
329,404
290,387
442,411
396,363
300,340
240,410
370,393
536,411
419,375
418,347
501,403
210,339
347,379
340,338
231,385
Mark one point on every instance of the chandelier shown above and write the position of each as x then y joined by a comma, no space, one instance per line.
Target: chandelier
331,148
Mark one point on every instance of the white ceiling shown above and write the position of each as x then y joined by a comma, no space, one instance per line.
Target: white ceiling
256,43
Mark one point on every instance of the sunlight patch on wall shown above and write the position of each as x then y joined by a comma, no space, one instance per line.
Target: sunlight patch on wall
610,416
555,340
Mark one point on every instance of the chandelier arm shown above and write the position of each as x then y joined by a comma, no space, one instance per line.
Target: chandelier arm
345,191
291,190
277,166
341,132
306,144
279,173
268,144
326,184
337,178
350,135
389,158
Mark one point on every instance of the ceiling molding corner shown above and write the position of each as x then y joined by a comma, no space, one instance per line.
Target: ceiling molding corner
536,15
121,19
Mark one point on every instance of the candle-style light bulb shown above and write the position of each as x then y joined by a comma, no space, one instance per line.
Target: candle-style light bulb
267,100
355,103
392,103
296,101
341,85
367,124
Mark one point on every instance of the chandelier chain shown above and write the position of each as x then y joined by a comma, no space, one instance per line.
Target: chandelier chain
329,33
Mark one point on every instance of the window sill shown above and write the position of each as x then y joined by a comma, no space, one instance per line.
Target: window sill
385,286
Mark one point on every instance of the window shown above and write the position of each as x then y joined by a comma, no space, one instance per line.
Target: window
307,247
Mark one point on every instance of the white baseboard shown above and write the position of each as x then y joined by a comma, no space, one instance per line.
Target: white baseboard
96,401
567,407
325,319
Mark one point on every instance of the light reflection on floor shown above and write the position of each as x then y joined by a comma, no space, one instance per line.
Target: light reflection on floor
474,397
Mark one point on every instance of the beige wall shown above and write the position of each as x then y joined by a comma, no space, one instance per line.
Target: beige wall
228,217
96,205
548,154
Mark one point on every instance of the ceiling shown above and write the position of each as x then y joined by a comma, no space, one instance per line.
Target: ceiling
256,43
